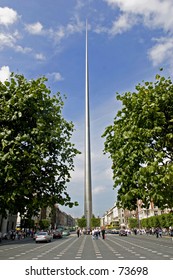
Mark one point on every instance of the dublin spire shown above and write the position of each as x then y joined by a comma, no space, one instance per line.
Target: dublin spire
88,187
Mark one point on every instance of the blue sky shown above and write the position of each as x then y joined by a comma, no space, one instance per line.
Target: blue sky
129,40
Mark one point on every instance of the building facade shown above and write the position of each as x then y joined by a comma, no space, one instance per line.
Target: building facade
118,217
8,224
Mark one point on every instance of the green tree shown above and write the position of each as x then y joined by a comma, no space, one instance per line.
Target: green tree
27,223
36,153
133,222
169,219
95,222
140,144
44,224
144,223
163,220
154,221
82,223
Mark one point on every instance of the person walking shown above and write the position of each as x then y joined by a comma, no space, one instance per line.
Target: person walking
157,232
103,233
160,232
78,232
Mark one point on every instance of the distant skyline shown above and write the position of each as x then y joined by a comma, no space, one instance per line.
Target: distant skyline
128,41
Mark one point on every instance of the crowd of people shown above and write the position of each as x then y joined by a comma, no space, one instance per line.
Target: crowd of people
15,234
95,232
159,232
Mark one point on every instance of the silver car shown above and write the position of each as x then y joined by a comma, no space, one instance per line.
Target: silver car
43,236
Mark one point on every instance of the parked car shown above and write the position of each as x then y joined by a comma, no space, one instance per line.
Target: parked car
65,232
122,232
115,231
43,236
35,234
0,236
7,235
57,234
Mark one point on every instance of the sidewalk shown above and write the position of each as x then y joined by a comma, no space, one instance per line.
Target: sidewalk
5,241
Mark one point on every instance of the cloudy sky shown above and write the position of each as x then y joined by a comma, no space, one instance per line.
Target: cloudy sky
129,40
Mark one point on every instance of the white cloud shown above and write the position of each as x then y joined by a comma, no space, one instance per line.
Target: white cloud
9,40
4,73
162,51
152,13
7,16
21,49
79,4
56,76
35,28
6,40
99,189
101,29
75,26
59,34
122,24
40,56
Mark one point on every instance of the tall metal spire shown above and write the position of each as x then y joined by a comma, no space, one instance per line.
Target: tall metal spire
88,187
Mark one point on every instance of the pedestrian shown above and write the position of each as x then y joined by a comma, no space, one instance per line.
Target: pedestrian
78,232
160,232
93,234
19,234
157,232
96,233
103,233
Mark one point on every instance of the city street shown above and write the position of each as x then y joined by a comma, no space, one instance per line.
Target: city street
114,247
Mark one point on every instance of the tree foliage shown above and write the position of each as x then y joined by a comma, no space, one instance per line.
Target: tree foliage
44,224
95,222
82,222
36,153
27,223
140,144
133,223
163,221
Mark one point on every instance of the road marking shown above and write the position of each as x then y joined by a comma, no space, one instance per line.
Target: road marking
124,247
81,248
96,249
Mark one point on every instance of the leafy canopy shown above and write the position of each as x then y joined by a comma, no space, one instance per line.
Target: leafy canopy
140,144
36,153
